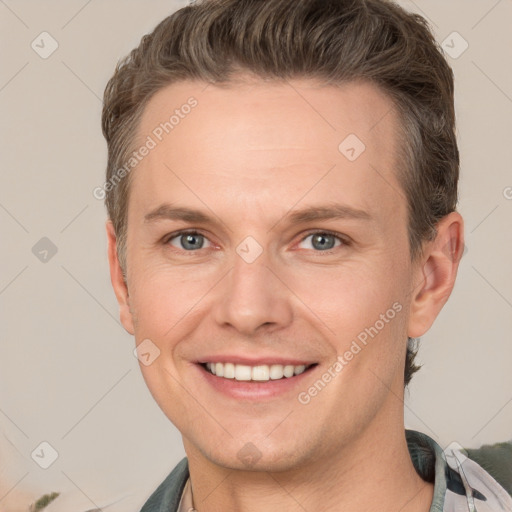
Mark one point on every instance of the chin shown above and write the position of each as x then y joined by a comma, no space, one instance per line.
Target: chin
252,457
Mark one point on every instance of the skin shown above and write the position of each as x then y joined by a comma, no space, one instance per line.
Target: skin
249,155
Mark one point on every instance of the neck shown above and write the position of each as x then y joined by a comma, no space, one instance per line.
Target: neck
373,471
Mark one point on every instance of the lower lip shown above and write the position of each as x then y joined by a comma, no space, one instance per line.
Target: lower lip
254,390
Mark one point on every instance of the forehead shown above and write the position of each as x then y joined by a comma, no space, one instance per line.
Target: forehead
258,144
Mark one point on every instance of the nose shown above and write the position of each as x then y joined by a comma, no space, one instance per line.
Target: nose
252,297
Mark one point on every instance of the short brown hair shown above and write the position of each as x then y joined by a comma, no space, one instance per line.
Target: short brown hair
334,41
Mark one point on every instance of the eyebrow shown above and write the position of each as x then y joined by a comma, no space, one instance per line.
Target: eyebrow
331,211
312,213
168,212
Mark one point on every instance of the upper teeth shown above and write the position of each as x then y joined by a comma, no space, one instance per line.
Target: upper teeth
262,372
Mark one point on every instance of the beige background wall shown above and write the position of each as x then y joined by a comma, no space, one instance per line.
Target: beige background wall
67,372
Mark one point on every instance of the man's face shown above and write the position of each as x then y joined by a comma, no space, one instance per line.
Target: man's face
259,285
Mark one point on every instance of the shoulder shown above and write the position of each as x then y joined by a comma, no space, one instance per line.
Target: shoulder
464,479
496,459
481,488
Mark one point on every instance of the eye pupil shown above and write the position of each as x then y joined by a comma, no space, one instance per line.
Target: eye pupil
190,241
322,243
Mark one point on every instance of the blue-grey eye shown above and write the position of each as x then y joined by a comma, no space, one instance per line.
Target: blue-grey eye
322,241
188,241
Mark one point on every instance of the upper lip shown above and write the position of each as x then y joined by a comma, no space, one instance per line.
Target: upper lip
255,361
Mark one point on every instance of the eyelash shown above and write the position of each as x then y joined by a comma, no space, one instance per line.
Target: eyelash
345,242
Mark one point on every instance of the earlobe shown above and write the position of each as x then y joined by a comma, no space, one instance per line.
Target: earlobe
117,280
436,273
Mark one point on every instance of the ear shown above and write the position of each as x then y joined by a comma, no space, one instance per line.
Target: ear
117,279
435,274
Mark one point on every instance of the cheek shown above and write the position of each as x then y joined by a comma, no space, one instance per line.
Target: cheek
350,297
165,302
362,310
162,296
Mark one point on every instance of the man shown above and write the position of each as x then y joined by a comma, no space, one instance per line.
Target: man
281,189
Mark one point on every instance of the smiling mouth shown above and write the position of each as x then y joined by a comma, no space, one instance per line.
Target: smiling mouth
259,373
